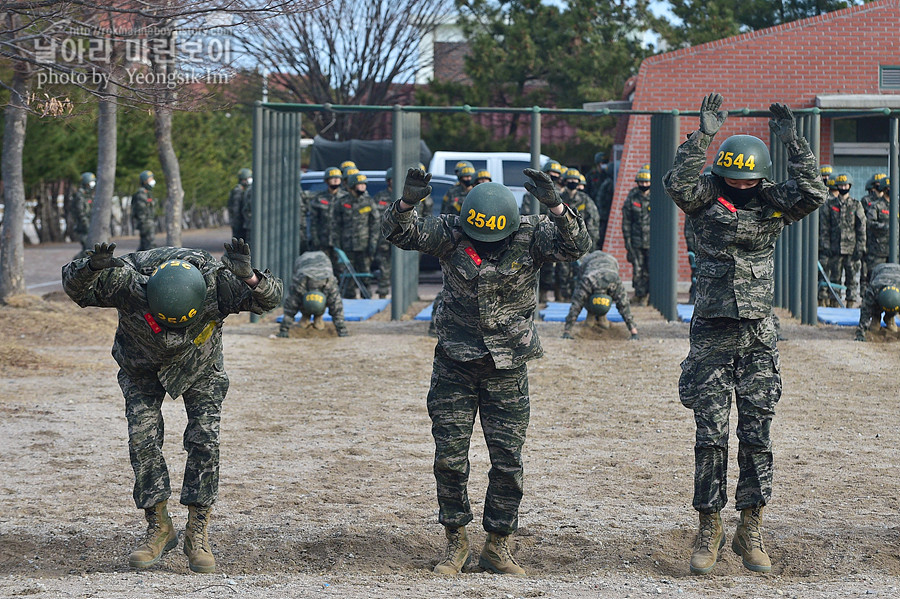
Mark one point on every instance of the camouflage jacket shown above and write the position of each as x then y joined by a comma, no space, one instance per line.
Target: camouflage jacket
584,205
845,225
735,248
525,208
690,241
636,220
878,226
143,207
235,203
321,218
383,200
453,199
487,302
599,274
313,272
178,357
81,209
247,208
883,275
356,224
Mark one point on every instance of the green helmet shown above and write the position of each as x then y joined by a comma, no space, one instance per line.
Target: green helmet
599,157
348,170
88,178
355,178
313,303
244,174
883,184
464,168
829,182
572,174
843,179
331,172
146,176
348,164
642,176
483,174
825,169
599,304
175,293
489,213
889,299
870,184
389,174
743,157
552,166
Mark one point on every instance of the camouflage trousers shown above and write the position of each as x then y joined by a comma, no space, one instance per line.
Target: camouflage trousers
458,391
383,258
143,410
731,357
843,269
868,265
564,281
361,262
641,277
146,230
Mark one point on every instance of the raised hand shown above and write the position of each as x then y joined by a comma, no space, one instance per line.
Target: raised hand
711,118
237,258
542,188
416,187
782,123
102,257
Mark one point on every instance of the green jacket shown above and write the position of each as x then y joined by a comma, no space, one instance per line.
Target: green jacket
176,356
735,248
878,226
356,224
845,225
585,206
487,302
81,209
143,207
636,220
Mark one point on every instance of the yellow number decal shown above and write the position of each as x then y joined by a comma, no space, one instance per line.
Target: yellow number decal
491,223
471,217
739,161
727,160
750,163
501,222
719,158
479,220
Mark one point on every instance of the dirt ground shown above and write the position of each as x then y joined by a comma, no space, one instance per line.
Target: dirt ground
326,484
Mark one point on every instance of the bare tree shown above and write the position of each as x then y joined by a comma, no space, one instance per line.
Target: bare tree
345,52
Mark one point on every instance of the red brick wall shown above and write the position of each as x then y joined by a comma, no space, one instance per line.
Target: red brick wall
791,64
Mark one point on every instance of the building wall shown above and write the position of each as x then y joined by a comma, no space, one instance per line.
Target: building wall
791,64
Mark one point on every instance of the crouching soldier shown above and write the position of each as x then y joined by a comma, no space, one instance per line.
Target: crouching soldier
172,303
313,287
882,294
597,288
490,257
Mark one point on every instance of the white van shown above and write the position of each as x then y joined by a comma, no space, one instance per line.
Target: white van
505,167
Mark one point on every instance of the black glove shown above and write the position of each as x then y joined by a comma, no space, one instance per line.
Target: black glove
542,188
782,123
711,118
634,337
342,331
860,335
416,187
567,335
237,258
102,257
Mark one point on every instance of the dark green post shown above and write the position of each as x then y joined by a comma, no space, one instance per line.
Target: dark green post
664,132
895,186
810,128
404,264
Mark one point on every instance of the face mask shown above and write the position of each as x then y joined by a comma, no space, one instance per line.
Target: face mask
151,183
644,188
249,180
572,185
843,192
333,186
92,185
741,197
487,248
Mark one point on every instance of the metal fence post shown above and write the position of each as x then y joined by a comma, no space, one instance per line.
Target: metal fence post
664,133
404,264
895,185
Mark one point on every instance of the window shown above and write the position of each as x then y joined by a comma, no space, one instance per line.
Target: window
889,77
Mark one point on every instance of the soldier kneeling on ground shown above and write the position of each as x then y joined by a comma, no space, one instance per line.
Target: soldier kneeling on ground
313,287
172,303
597,288
490,257
882,295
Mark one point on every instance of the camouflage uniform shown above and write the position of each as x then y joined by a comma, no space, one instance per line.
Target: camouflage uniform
321,222
845,225
82,200
691,244
235,211
154,360
485,337
356,229
383,200
636,231
883,275
247,214
603,200
599,274
878,234
312,272
732,334
564,272
143,217
548,270
453,199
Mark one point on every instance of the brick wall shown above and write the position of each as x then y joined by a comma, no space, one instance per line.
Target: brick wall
791,64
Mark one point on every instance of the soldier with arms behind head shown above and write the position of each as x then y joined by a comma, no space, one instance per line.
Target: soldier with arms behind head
737,215
172,303
490,258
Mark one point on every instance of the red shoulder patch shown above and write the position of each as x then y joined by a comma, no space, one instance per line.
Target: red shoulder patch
323,202
636,204
727,204
154,326
474,255
347,206
885,211
835,208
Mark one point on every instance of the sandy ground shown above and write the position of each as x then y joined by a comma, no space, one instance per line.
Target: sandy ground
326,484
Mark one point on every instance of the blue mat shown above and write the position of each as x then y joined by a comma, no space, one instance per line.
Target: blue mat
557,312
354,310
685,312
845,317
425,314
